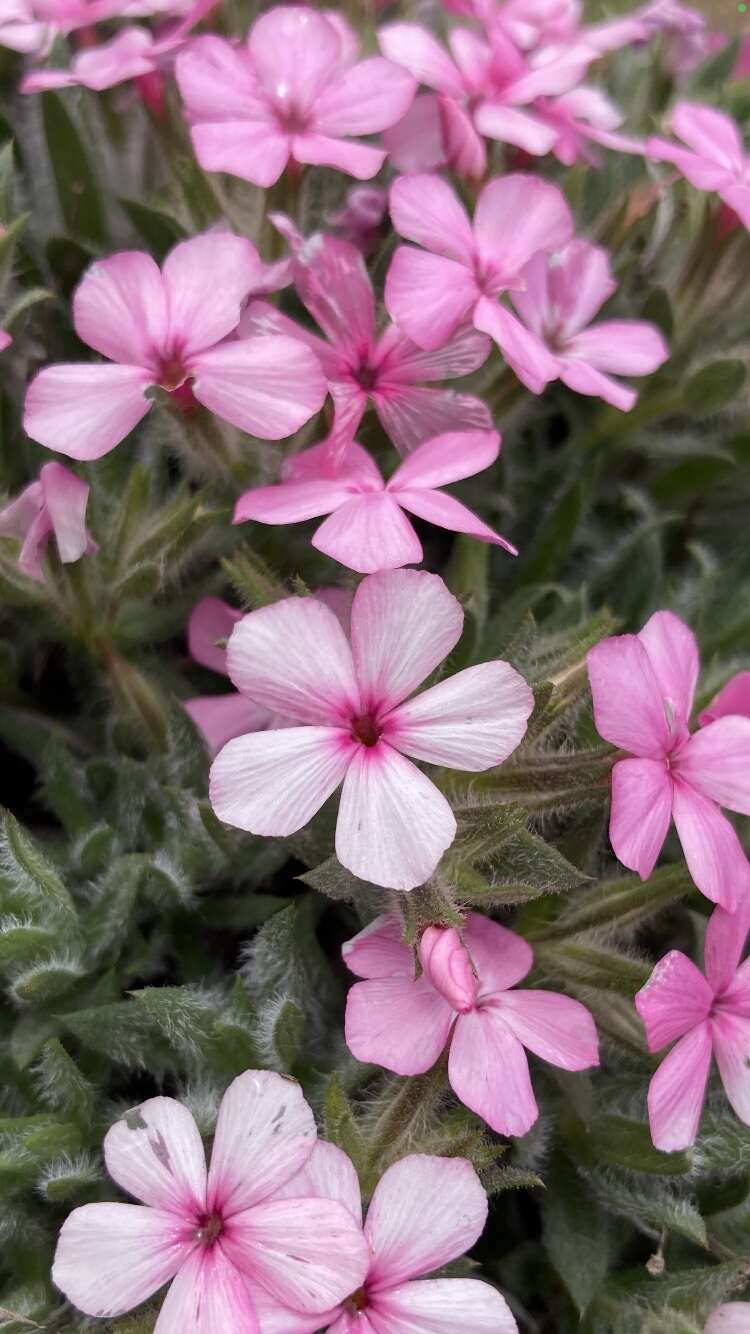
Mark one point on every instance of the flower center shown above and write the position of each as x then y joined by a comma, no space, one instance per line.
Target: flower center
357,1302
172,374
291,120
366,729
210,1228
366,377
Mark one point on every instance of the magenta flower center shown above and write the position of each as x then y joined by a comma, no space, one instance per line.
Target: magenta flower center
366,376
366,729
172,374
210,1228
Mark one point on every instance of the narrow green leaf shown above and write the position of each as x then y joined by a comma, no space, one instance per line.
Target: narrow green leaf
713,386
31,876
76,185
158,228
576,1233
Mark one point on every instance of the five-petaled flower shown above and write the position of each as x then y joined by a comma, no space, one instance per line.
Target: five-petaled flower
464,997
169,328
643,687
715,157
217,1236
355,723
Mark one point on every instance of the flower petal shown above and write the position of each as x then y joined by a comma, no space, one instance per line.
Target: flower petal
112,1257
501,958
713,852
210,620
642,793
208,1296
398,1023
415,143
333,283
85,410
66,497
421,53
293,657
425,209
369,97
731,1318
447,512
511,125
584,379
623,347
441,1306
504,245
253,150
424,1212
474,720
359,160
464,148
447,458
221,717
428,295
369,533
155,1153
556,1028
267,386
411,414
295,52
292,502
628,706
731,1036
677,1090
489,1072
217,83
734,698
404,622
710,133
119,308
378,950
206,279
726,935
716,761
402,362
527,355
264,1134
272,783
675,999
393,825
308,1254
328,1174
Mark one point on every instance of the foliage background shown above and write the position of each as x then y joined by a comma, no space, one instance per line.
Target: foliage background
144,947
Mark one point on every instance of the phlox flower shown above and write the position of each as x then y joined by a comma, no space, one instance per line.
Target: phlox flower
221,717
464,998
52,507
584,120
643,687
562,293
715,157
367,528
465,267
361,366
31,26
734,698
731,1318
355,723
706,1015
294,92
425,1212
167,327
211,1234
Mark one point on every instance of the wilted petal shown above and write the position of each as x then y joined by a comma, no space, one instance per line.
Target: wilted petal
112,1257
425,1211
404,622
248,1167
472,720
393,825
155,1153
397,1022
267,386
675,999
85,410
489,1072
442,1306
641,811
677,1090
712,849
272,783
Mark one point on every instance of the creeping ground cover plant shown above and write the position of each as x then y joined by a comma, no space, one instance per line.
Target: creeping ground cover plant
374,667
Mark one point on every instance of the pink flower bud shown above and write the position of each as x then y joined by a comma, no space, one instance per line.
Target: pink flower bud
447,964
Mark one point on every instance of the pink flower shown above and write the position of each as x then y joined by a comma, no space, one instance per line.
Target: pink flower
463,997
643,687
425,1211
353,725
733,699
367,528
731,1318
562,294
5,340
53,506
211,1232
388,370
294,92
167,328
464,268
706,1015
584,119
715,157
360,221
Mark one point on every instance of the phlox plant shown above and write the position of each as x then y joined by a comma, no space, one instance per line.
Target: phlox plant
374,667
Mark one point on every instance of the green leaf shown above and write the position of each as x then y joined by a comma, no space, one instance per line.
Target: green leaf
184,1016
31,877
713,386
76,186
60,1084
590,965
333,880
341,1126
46,981
625,902
23,302
657,308
21,942
158,228
555,536
576,1233
288,1033
253,581
7,181
623,1143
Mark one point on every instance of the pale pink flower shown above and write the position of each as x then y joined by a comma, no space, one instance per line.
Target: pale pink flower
463,998
31,26
52,507
360,220
731,1318
295,92
562,293
355,723
465,267
361,366
425,1212
706,1014
715,157
169,328
583,121
5,340
643,687
734,698
211,1233
367,529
